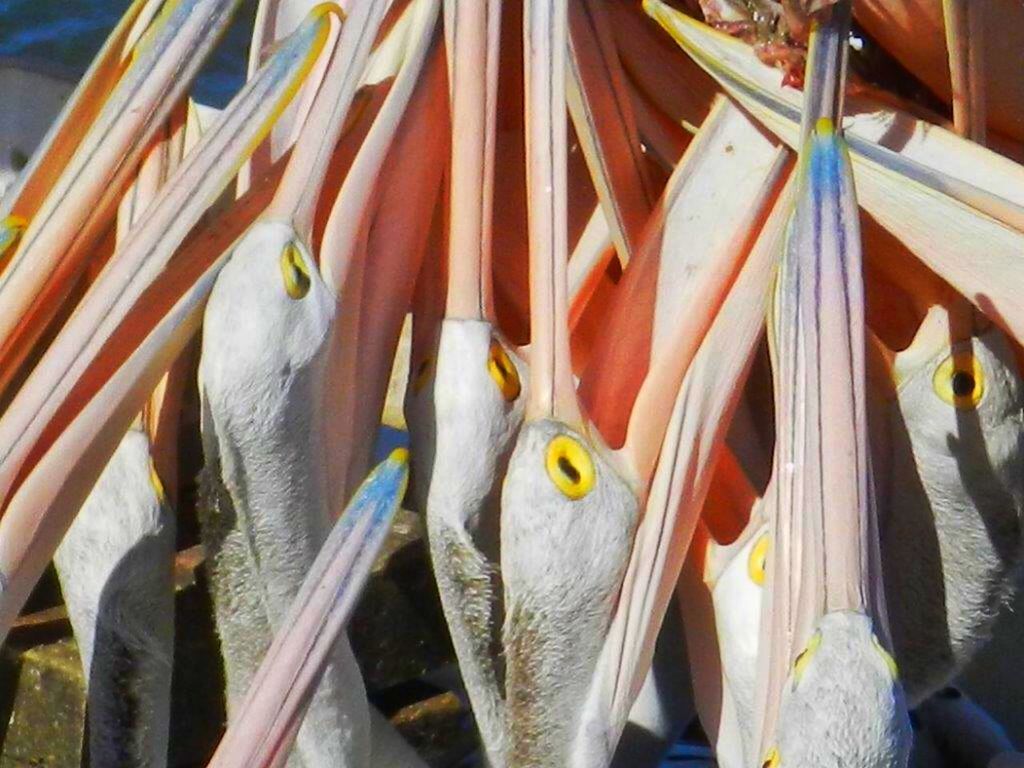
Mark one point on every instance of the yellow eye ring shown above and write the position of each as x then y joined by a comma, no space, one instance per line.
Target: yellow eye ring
960,381
570,467
503,371
803,659
771,760
758,561
294,272
890,662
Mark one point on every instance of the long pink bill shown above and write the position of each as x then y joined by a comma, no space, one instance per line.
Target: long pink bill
693,442
262,730
65,421
68,197
940,195
602,114
824,610
376,234
474,32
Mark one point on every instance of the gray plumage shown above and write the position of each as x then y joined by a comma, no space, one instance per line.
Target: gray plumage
951,527
116,568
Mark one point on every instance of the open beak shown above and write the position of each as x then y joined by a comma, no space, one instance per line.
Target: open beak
70,191
261,732
66,420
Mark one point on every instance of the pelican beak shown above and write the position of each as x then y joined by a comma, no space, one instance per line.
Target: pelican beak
602,115
693,441
552,391
65,421
823,506
940,195
965,43
703,228
376,229
69,193
261,733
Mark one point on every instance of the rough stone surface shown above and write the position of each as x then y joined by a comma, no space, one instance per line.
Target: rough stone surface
398,631
439,728
47,725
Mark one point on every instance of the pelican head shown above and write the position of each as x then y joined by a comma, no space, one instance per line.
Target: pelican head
269,310
568,521
267,343
469,394
842,678
956,495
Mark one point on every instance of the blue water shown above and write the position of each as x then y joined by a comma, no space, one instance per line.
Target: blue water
68,33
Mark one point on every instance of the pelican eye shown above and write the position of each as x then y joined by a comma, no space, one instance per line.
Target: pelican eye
503,371
570,467
758,561
960,381
803,659
890,662
423,374
771,760
294,272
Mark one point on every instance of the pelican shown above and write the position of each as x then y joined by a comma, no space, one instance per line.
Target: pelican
978,436
951,537
570,505
558,553
831,691
468,385
971,628
275,704
117,581
278,345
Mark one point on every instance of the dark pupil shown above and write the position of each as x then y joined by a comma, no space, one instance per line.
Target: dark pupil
963,384
502,368
568,470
